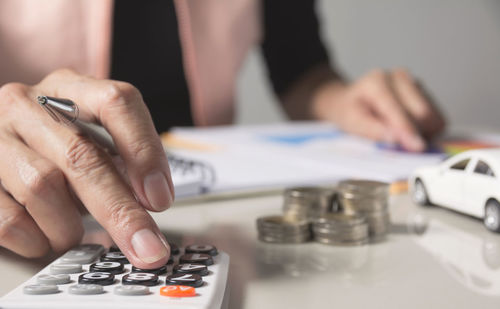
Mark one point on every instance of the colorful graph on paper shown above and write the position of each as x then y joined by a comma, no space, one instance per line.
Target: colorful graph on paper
452,147
449,146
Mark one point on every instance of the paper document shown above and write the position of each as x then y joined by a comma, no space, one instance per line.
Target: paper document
289,154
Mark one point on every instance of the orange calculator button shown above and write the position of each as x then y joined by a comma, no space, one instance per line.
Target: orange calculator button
177,291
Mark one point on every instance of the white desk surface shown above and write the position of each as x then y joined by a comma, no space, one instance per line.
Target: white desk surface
434,258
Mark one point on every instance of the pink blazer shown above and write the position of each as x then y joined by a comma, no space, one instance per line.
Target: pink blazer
38,37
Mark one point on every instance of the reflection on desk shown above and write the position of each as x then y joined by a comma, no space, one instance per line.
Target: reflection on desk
471,259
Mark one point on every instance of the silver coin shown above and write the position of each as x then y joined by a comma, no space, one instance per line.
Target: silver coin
340,219
342,243
308,202
357,185
269,239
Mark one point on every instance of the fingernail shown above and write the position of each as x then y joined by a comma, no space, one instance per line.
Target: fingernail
157,191
148,247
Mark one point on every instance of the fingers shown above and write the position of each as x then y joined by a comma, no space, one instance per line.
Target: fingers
369,126
118,106
357,118
18,231
377,92
40,186
425,114
92,175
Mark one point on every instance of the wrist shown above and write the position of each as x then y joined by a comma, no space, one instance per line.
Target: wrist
326,97
299,100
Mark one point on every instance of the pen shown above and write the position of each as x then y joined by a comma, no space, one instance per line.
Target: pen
66,111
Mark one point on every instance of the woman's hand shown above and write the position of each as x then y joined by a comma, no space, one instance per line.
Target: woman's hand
386,106
48,169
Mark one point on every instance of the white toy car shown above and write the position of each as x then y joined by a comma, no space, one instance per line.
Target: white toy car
468,182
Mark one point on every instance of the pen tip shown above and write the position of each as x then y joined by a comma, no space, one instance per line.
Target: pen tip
42,99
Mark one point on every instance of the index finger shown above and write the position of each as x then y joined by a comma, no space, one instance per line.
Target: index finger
413,96
387,106
92,175
119,107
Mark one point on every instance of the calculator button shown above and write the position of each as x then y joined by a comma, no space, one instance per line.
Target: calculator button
156,271
115,256
53,279
131,290
178,291
206,249
174,249
184,279
187,268
101,278
146,279
86,289
114,248
40,289
170,260
196,258
83,254
57,269
108,267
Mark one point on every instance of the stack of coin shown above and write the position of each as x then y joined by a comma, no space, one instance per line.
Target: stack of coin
278,229
369,199
307,203
340,229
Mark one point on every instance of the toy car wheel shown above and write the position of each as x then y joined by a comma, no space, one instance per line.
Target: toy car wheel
420,193
492,216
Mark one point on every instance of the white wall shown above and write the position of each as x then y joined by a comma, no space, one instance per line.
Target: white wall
452,45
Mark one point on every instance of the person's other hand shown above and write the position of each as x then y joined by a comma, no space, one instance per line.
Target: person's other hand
47,169
385,106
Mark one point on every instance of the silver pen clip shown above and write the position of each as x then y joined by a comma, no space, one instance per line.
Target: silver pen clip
61,110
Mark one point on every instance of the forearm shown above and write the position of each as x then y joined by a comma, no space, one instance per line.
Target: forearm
304,98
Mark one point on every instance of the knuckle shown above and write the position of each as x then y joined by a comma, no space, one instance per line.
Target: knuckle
83,156
375,82
10,220
119,94
119,100
8,94
145,148
10,88
43,180
112,94
123,213
402,74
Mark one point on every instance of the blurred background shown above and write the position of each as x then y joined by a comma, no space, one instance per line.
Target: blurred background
451,45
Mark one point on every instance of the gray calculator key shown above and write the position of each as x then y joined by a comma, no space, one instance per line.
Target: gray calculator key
53,279
83,254
40,289
86,289
57,269
131,290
